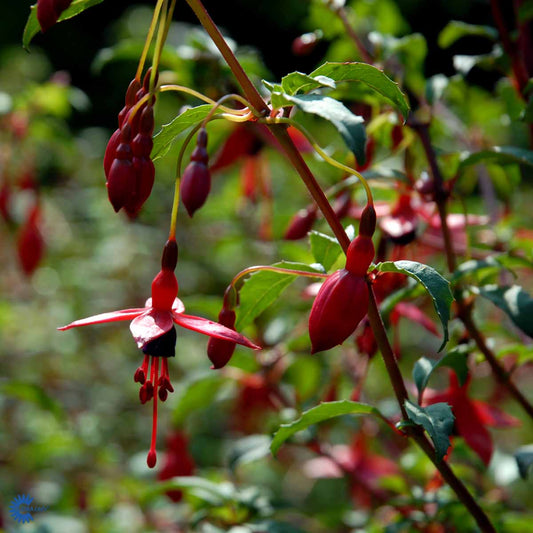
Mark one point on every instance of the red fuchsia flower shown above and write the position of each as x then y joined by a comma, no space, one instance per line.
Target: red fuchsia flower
363,469
402,222
342,301
152,327
471,416
30,243
177,461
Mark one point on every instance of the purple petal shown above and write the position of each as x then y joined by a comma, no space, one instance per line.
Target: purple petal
213,329
113,316
150,325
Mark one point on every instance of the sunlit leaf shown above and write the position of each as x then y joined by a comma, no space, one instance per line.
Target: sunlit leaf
325,249
263,288
32,27
437,287
170,132
296,81
323,411
456,29
248,449
368,74
501,155
350,126
437,419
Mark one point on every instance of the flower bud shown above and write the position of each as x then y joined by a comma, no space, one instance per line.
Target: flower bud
111,151
305,43
341,303
195,186
46,14
359,255
367,225
30,243
300,224
220,351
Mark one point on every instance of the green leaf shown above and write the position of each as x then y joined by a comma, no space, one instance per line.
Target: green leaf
325,249
456,29
248,449
502,155
263,288
296,81
514,301
437,287
475,265
29,392
169,132
371,76
524,460
32,27
196,394
456,359
323,411
350,126
437,420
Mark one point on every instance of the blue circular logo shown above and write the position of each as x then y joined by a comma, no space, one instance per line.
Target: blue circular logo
18,508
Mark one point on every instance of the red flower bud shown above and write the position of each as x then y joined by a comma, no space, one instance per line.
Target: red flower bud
141,187
195,186
30,243
300,224
220,351
396,136
111,151
341,303
46,14
366,342
359,255
305,44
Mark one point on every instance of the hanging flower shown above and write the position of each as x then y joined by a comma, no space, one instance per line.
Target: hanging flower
152,327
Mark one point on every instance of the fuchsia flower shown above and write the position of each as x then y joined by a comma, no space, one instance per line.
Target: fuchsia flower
153,329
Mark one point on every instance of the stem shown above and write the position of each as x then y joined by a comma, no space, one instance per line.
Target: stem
333,162
160,41
247,86
363,52
503,377
378,328
148,41
455,483
280,132
463,311
517,63
204,98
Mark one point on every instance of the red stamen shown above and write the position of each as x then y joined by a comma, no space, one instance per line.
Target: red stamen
152,457
140,373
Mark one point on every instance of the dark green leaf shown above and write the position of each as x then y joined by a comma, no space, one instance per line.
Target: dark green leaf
524,460
32,27
371,76
169,132
296,82
323,411
263,288
350,126
456,359
437,420
515,301
456,29
248,449
437,287
502,155
325,249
